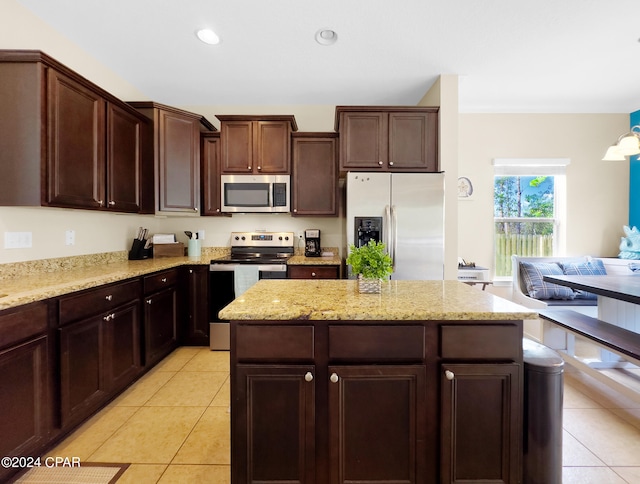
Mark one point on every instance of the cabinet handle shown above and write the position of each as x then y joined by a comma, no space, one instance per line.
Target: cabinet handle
217,209
100,203
107,317
249,168
259,168
308,376
334,378
380,163
164,279
109,297
195,209
190,271
112,203
295,209
449,374
148,301
313,274
391,163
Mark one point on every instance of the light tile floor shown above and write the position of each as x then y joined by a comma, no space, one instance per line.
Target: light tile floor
173,426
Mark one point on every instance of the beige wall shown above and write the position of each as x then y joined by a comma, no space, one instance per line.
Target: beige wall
597,191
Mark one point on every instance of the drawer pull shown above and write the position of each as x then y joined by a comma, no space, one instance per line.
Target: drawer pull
449,374
109,297
313,274
334,378
148,301
164,279
308,376
109,317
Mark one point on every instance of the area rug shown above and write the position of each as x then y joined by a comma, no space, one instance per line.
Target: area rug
87,473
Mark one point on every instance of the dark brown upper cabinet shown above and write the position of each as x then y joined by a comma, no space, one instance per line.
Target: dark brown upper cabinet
314,187
256,144
388,138
65,141
175,144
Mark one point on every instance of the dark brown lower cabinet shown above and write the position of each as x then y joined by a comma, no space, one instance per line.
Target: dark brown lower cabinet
480,426
98,355
160,324
195,323
377,424
277,424
24,422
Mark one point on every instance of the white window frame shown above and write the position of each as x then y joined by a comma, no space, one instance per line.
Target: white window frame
556,167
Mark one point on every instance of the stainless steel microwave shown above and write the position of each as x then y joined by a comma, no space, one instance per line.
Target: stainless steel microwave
255,193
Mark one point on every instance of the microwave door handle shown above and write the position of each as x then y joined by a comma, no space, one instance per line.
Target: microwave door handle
272,189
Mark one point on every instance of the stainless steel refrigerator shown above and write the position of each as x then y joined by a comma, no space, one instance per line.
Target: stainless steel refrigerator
406,212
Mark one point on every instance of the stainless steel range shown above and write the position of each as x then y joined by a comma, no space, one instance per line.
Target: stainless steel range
254,256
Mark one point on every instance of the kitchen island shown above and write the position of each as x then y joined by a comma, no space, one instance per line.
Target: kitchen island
421,383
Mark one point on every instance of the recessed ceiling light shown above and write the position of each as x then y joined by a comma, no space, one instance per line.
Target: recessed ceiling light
326,37
208,36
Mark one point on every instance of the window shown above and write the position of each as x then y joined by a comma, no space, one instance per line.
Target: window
527,208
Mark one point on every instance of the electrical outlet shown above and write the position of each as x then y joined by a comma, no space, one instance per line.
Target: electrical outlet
70,237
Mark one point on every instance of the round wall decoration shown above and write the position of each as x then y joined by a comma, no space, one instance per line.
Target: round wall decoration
465,187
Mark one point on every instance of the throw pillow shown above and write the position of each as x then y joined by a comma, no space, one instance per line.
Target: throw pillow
532,273
594,267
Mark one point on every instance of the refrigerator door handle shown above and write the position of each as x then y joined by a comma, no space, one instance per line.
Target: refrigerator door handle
386,227
394,229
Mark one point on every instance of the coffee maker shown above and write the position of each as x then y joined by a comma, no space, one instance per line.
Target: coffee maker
312,243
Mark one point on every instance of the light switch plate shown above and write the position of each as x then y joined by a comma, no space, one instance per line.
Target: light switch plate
18,240
70,237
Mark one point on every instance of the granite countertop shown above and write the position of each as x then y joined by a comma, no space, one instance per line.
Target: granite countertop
399,300
37,286
301,260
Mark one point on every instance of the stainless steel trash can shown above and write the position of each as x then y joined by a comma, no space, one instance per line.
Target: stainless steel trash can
543,393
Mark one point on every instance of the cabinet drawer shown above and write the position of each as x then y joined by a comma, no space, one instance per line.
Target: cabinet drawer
313,272
267,342
156,282
379,343
97,300
491,341
22,323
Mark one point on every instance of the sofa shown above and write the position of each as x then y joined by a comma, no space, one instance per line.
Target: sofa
544,333
582,303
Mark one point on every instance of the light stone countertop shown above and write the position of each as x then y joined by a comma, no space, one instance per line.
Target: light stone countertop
301,260
400,300
18,290
27,282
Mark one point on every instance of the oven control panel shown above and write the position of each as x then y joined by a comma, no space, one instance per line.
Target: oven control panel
262,239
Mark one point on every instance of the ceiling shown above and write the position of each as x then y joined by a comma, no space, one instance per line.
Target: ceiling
571,56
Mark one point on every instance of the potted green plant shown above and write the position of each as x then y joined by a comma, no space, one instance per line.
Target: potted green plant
372,264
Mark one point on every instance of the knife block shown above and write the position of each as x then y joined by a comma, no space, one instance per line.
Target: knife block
138,252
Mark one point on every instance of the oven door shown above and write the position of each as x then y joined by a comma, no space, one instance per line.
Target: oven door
221,293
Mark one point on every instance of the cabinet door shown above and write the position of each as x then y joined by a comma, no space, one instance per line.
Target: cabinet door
481,433
377,424
413,141
196,327
179,163
363,141
123,160
274,426
121,346
272,152
75,144
315,176
237,147
82,382
160,324
24,399
211,175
